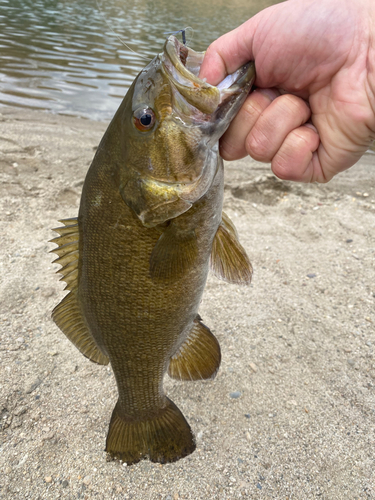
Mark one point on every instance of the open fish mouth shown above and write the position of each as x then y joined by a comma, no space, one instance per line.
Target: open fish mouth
182,64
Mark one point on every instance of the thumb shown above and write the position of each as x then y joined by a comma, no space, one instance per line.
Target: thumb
226,54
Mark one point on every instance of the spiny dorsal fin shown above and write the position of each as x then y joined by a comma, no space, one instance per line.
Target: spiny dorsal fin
199,356
68,258
62,250
67,315
229,260
174,254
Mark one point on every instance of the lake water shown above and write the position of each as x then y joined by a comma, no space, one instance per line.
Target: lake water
63,56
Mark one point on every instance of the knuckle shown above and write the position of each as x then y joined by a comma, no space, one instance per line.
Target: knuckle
228,152
294,106
258,146
252,109
282,167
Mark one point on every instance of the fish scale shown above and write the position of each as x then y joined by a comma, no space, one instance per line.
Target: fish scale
137,257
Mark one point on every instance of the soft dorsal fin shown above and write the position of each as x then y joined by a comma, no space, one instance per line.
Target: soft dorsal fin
174,254
229,260
67,315
199,356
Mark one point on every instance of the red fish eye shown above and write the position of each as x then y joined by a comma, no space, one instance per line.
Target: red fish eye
144,119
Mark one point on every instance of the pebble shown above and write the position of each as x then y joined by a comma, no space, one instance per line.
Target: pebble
48,479
31,387
86,480
311,275
20,411
235,394
254,367
48,436
349,241
351,362
65,483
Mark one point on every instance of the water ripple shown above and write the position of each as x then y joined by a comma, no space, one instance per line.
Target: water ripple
63,57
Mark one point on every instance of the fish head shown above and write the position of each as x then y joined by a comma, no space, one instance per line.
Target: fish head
171,121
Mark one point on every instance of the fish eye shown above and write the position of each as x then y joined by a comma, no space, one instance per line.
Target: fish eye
144,119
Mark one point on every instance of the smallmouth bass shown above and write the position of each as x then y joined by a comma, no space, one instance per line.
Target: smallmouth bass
136,259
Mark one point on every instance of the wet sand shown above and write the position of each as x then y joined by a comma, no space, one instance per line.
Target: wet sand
291,413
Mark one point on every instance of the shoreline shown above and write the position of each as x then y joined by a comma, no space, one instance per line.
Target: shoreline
298,345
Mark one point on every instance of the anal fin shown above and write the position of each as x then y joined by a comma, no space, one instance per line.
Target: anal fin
229,260
199,356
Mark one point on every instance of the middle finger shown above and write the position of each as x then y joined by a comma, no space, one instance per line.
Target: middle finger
285,114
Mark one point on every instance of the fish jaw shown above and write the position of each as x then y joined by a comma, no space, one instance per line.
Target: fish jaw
215,106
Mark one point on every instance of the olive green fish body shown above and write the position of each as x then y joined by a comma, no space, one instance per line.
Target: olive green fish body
136,260
139,322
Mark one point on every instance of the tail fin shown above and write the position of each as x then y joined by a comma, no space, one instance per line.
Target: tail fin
164,437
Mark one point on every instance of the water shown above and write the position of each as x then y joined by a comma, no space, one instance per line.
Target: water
61,56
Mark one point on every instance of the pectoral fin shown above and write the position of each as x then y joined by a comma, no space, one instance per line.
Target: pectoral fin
174,253
67,315
229,260
199,356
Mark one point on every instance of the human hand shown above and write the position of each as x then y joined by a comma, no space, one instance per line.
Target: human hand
313,114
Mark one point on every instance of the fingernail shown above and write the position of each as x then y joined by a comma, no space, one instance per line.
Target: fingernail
310,125
270,93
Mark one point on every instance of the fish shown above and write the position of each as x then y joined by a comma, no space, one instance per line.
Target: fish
149,227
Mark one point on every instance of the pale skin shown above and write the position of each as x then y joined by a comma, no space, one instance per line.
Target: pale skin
313,114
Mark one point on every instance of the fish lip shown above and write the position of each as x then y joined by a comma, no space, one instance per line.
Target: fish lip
208,98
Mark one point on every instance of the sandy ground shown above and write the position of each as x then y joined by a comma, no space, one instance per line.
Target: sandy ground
291,414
